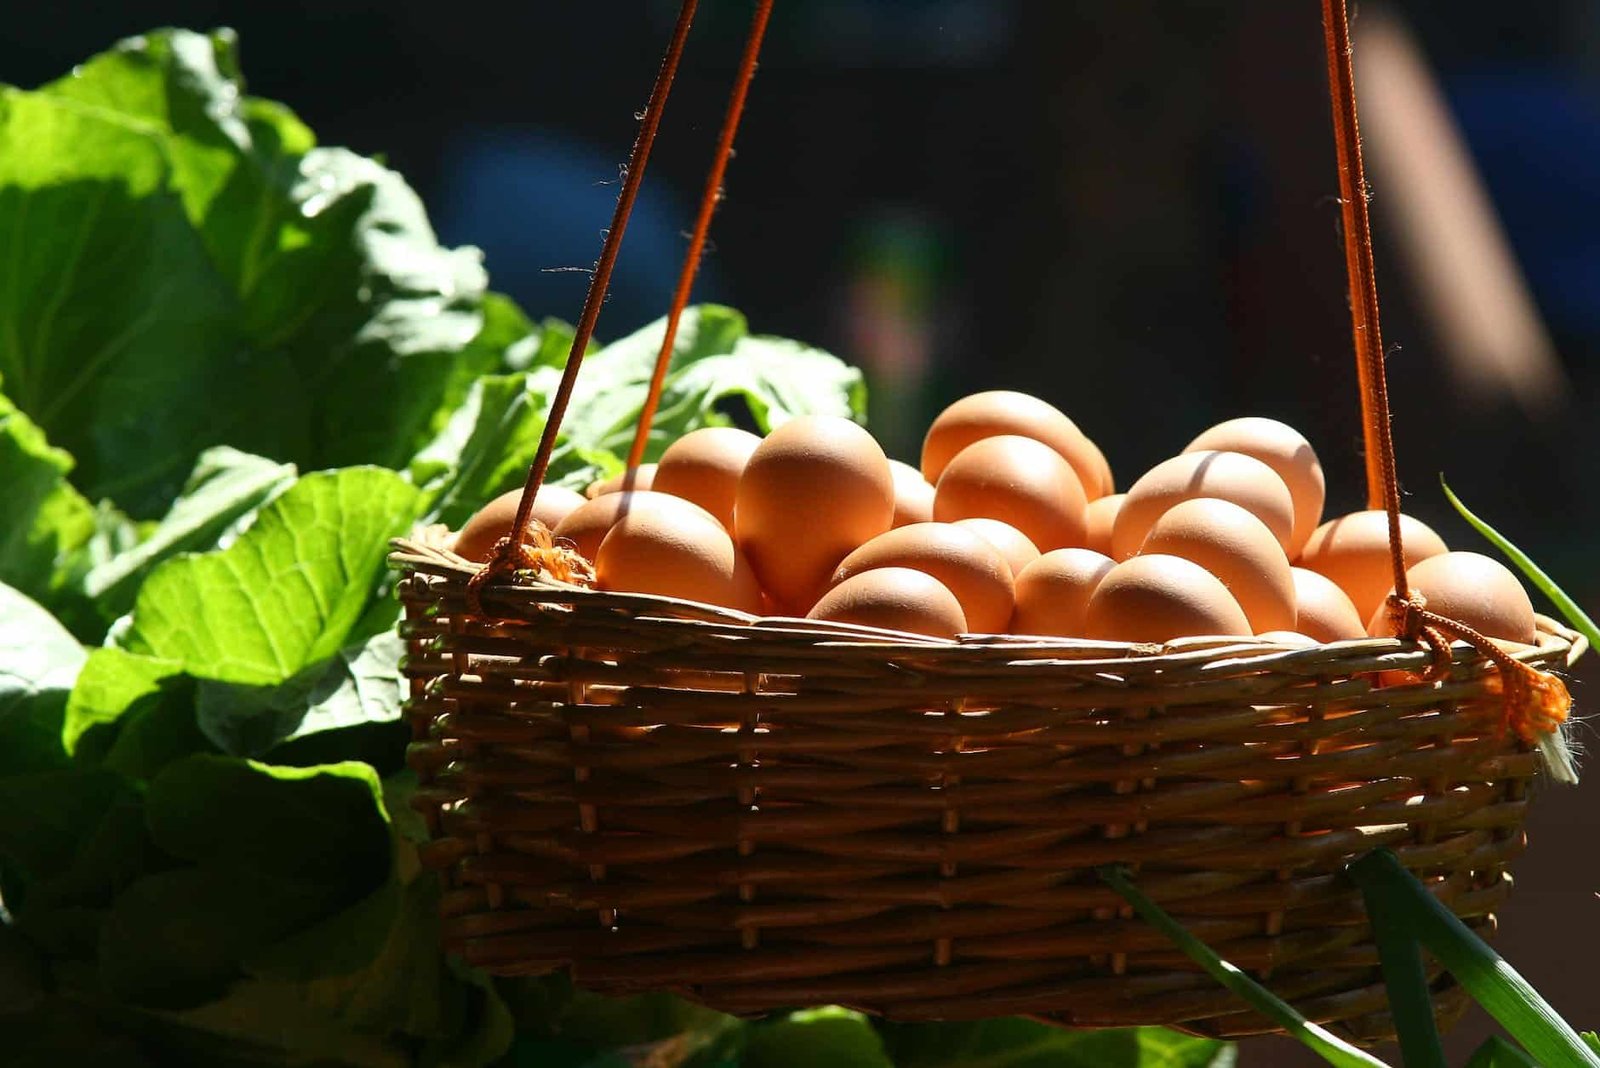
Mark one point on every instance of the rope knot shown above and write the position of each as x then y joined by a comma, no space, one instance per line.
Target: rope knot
1412,620
1536,702
541,554
1408,614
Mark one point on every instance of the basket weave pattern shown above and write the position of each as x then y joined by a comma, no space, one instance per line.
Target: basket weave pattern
762,814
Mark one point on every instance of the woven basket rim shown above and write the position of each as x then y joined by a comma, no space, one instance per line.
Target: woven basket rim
427,551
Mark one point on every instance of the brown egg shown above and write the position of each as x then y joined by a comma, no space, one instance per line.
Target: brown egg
483,531
1228,476
588,524
1001,411
1469,588
913,495
1053,592
1108,481
704,466
1236,547
1099,519
814,490
1013,544
1018,481
894,598
1322,610
1288,637
1158,598
642,478
668,546
1285,450
1353,551
968,565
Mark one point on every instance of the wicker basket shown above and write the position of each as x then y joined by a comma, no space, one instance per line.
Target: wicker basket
757,814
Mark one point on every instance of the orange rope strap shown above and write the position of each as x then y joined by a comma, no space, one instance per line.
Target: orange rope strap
702,224
514,552
1536,702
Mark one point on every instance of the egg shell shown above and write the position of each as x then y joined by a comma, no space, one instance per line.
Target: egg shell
670,547
1288,637
1018,481
968,565
1053,592
1003,411
1158,598
704,466
1108,481
587,525
1099,519
815,489
1013,544
894,598
1469,588
1228,476
1285,450
1323,611
913,495
1236,547
1353,551
489,524
640,478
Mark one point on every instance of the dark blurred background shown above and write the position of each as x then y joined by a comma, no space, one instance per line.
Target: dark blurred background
1125,206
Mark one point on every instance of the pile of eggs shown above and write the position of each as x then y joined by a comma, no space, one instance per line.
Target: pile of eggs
1011,525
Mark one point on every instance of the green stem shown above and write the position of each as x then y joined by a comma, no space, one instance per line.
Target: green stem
1495,985
1576,617
1496,1052
1327,1045
1405,978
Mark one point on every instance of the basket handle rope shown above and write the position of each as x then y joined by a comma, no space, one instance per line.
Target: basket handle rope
516,551
1536,702
533,549
710,196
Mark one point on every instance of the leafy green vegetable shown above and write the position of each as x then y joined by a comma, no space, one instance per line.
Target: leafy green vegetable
1016,1043
287,594
39,662
112,681
183,248
45,816
713,361
361,684
486,446
489,443
224,490
829,1035
45,519
114,311
270,851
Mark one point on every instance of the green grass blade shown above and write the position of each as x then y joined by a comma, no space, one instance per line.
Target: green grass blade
1496,1052
1324,1043
1405,978
1577,617
1553,746
1492,982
